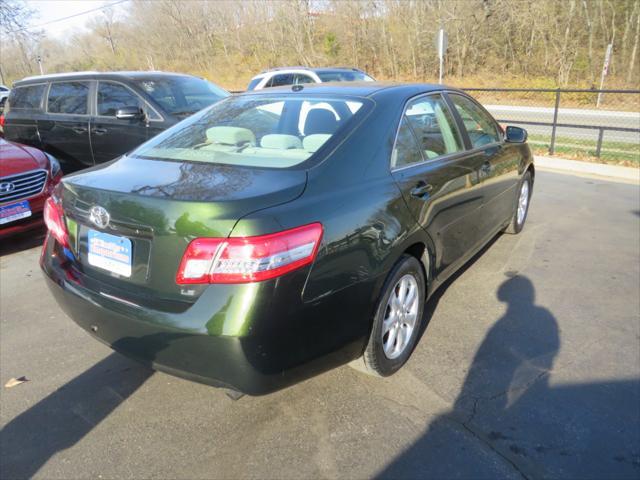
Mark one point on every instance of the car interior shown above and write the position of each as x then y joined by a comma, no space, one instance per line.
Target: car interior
288,133
433,130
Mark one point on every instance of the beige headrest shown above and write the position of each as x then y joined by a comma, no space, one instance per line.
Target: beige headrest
231,136
281,142
311,143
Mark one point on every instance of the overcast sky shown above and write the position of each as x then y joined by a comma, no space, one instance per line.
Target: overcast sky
49,10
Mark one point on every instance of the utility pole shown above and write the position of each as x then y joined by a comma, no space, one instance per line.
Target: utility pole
441,46
605,70
39,60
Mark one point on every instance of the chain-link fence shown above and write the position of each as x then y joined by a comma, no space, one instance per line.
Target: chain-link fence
582,124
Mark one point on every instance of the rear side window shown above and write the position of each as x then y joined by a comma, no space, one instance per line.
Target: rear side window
281,79
254,83
433,126
302,78
68,97
426,131
482,129
113,96
405,151
344,76
26,98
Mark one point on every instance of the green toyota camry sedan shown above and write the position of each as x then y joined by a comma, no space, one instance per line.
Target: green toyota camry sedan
284,232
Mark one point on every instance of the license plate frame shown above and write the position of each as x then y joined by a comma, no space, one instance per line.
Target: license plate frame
112,253
17,211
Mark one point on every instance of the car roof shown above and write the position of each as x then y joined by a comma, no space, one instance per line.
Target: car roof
130,75
310,69
354,89
336,69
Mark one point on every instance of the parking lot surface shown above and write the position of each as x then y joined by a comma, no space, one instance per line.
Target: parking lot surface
529,368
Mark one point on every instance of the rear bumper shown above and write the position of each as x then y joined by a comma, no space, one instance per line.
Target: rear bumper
250,344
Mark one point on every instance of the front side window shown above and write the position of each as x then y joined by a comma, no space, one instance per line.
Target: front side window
113,96
256,131
68,97
482,129
182,96
433,126
26,98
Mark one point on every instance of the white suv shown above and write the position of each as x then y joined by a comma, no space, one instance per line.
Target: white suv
4,94
276,77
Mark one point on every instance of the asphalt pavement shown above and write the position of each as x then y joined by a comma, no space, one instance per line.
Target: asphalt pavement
529,368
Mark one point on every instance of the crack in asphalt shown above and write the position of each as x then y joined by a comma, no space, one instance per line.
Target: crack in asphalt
466,424
480,437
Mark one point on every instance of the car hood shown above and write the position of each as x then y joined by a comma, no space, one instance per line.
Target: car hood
16,158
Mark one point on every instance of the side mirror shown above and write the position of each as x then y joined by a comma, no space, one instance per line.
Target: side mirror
515,135
129,113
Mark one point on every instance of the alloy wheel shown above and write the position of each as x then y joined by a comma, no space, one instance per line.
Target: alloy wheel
523,202
401,316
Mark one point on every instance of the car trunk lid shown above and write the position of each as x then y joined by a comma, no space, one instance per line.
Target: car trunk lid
155,208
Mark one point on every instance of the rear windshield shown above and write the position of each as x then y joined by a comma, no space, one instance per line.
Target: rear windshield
27,97
260,131
344,76
182,95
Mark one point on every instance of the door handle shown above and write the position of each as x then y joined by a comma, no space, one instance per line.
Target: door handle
79,130
99,130
486,167
421,189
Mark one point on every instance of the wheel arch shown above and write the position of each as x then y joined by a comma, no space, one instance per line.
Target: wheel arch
532,169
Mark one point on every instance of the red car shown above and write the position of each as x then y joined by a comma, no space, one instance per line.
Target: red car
27,178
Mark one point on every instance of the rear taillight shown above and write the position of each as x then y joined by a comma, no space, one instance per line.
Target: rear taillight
54,219
249,259
2,120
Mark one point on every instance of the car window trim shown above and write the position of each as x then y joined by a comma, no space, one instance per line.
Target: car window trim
50,84
43,96
496,125
446,157
134,93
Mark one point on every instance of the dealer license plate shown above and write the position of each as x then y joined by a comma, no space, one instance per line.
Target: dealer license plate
14,211
110,252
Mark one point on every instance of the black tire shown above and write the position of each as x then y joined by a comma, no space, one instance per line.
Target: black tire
516,226
375,361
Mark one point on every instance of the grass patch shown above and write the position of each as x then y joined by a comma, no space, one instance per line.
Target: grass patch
617,153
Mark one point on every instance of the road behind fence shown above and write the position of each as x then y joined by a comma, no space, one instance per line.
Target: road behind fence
576,123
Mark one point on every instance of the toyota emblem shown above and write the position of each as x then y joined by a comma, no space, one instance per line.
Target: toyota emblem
99,216
7,187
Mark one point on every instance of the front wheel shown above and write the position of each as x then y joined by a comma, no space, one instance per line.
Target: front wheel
522,205
397,320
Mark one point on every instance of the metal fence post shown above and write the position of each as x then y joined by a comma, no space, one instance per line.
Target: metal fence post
599,145
552,146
